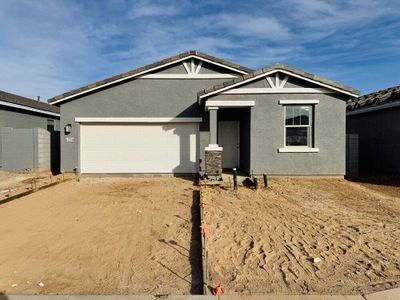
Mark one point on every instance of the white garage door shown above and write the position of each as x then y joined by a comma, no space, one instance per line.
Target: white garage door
139,148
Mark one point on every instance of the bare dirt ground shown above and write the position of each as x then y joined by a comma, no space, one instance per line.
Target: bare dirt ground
12,184
266,241
102,236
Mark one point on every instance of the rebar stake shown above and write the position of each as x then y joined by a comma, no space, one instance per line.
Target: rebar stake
265,181
235,185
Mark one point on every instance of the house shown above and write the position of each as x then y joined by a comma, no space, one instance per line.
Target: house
194,112
24,123
375,118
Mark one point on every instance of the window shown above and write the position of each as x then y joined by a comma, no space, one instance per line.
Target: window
50,125
298,126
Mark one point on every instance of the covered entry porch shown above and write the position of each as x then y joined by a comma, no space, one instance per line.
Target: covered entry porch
229,136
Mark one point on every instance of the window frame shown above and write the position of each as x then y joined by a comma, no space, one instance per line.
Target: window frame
53,124
300,149
310,126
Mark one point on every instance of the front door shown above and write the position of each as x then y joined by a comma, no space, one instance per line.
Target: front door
229,140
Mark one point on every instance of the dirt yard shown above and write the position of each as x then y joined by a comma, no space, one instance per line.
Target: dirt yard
102,236
304,236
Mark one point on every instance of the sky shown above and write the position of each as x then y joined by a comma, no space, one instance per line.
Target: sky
48,47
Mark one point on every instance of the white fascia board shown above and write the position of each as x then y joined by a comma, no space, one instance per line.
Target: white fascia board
137,120
279,91
298,150
188,76
229,104
274,71
147,71
298,101
373,108
28,108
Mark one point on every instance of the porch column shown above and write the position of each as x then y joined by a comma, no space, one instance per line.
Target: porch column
213,125
213,153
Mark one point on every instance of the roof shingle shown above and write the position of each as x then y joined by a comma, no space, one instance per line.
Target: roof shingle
391,94
16,99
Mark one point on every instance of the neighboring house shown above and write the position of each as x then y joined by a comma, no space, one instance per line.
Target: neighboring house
375,118
20,122
180,115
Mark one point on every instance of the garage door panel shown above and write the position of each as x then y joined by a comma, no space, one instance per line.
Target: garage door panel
139,148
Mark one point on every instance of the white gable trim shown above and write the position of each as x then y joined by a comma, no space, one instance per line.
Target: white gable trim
279,91
189,76
45,112
147,71
272,72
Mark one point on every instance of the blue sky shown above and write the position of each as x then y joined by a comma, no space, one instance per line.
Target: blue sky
48,47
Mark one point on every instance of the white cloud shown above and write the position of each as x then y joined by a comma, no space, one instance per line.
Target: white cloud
52,46
151,9
248,25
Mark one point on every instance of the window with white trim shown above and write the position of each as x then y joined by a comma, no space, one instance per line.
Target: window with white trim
299,126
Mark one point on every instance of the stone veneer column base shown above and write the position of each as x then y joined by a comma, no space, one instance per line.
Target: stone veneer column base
213,162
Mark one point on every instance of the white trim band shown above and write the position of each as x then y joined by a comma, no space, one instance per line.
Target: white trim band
213,147
229,104
45,112
298,102
298,150
137,120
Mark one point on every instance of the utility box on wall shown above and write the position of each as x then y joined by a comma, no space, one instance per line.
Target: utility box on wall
25,150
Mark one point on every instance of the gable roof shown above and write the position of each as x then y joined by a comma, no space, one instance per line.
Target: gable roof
273,69
16,101
374,101
148,68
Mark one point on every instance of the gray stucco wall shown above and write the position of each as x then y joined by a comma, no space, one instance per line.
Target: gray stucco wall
25,149
20,119
379,143
267,136
17,118
136,98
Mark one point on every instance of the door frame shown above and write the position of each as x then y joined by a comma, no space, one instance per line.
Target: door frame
238,140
